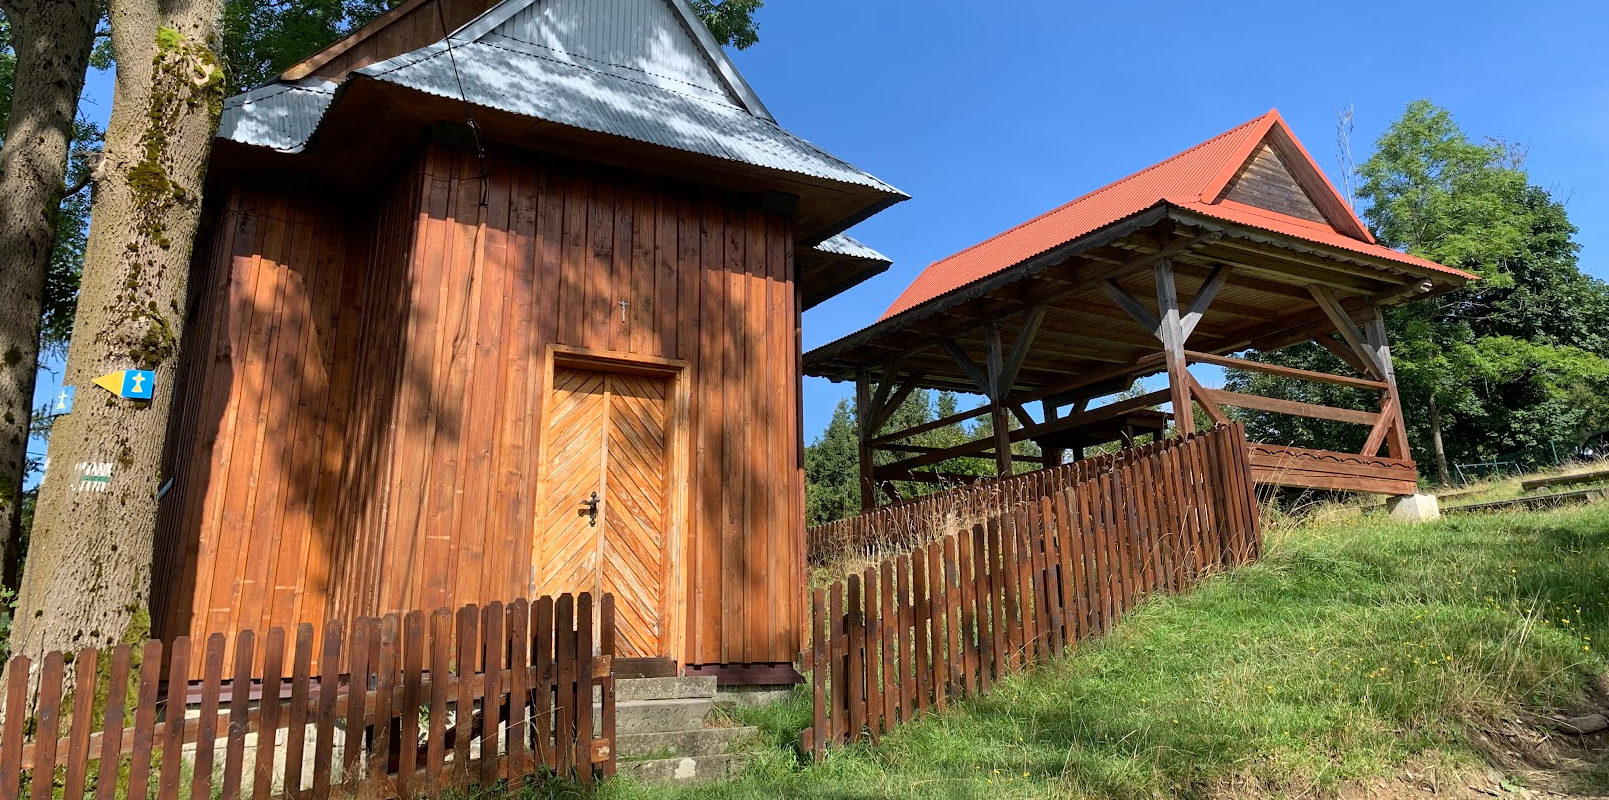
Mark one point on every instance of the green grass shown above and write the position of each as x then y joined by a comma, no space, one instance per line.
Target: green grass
1352,649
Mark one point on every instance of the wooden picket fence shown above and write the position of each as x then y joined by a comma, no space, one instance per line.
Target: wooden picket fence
954,616
902,526
428,704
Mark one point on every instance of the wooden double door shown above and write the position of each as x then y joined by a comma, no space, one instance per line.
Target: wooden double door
609,510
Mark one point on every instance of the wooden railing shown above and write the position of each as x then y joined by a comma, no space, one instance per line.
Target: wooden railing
954,616
430,704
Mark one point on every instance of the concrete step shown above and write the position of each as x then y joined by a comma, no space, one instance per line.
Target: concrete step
632,689
695,742
657,716
683,769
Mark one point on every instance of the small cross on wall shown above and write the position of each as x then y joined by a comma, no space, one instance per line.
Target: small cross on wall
624,304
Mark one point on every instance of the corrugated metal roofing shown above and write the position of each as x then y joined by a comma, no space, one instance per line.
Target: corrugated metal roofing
631,68
1190,180
845,245
280,116
610,36
509,75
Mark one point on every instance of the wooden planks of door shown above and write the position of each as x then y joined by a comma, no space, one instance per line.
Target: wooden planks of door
606,502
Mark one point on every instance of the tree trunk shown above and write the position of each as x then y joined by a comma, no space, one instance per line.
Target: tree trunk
87,581
1442,477
52,40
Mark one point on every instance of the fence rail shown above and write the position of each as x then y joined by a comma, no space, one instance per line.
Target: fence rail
1071,553
429,704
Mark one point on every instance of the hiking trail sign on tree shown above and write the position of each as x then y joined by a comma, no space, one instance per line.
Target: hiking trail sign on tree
134,384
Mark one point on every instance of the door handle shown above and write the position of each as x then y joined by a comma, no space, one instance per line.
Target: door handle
591,510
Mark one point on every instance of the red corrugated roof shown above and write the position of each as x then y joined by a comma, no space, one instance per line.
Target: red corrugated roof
1191,180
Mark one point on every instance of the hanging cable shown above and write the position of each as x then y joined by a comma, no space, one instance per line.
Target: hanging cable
469,114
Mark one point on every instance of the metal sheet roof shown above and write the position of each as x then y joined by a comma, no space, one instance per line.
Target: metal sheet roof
1191,180
280,116
509,75
645,70
845,245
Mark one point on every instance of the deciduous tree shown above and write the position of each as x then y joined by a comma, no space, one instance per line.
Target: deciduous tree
87,580
46,45
1510,364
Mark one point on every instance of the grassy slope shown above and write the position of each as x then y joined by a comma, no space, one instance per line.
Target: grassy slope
1350,649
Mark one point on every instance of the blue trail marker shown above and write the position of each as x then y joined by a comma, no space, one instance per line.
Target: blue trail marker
134,384
62,403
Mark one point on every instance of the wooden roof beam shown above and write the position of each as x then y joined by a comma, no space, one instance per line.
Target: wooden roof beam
1281,265
1202,299
1350,333
1200,264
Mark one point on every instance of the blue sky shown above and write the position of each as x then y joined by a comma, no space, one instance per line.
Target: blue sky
988,114
988,117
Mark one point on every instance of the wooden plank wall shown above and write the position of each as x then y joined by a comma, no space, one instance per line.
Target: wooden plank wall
366,421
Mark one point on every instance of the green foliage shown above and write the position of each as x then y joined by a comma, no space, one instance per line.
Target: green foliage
8,71
263,37
832,470
731,21
72,217
832,462
1515,361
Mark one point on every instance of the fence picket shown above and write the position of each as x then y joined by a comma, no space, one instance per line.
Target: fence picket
413,668
357,656
607,648
296,715
904,619
855,690
47,724
15,729
84,692
111,755
239,715
139,774
922,638
886,614
582,691
564,703
329,685
465,666
519,692
493,646
836,663
982,611
956,658
873,690
544,643
173,734
818,671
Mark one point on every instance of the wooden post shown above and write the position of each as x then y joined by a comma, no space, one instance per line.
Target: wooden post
996,363
863,420
1052,455
1374,332
1171,332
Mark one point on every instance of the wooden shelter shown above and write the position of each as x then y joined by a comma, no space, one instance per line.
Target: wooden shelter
497,300
1239,243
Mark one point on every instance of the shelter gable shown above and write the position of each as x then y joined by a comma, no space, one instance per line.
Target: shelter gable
1264,181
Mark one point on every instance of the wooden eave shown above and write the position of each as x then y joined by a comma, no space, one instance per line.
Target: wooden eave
826,275
1264,304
